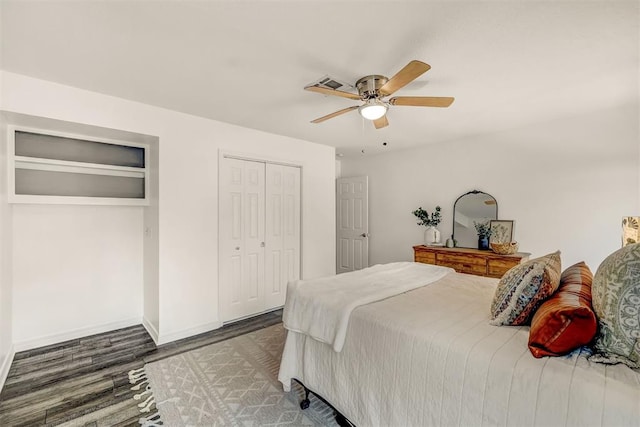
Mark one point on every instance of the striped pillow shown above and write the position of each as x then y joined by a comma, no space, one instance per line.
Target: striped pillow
565,321
523,288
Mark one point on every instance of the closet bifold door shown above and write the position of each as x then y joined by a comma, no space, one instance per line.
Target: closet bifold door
242,194
282,229
259,235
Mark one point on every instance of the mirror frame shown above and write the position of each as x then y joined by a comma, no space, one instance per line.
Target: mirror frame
453,232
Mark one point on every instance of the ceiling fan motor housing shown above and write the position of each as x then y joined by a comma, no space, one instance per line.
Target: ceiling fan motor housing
369,86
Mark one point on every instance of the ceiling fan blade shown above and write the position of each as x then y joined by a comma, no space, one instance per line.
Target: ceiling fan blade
409,73
422,101
333,92
334,114
381,122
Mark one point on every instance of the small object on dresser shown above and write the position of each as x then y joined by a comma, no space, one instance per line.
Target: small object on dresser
431,221
432,236
501,230
508,248
483,243
484,232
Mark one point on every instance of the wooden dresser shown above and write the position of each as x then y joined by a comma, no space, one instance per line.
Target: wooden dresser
470,261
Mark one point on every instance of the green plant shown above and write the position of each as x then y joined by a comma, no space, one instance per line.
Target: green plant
426,219
483,229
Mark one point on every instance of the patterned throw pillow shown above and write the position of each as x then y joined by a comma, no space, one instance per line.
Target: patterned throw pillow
616,301
565,321
523,288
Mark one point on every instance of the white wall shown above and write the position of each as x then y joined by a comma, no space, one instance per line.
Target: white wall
76,269
567,183
188,177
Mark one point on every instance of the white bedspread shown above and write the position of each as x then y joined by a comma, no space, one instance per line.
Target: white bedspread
321,308
429,357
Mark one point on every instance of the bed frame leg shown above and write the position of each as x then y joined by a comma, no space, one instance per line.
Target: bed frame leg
305,402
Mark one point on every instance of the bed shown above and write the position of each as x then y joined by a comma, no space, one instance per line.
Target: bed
428,356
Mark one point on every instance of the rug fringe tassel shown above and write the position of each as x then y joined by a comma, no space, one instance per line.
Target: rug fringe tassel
151,421
139,379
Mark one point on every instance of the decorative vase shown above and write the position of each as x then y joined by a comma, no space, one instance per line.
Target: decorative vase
431,236
483,243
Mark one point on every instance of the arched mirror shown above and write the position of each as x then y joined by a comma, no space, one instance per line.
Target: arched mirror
472,206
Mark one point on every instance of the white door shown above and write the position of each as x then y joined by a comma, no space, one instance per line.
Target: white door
282,258
353,224
242,237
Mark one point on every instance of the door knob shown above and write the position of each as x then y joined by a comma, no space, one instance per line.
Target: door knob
262,244
364,235
237,248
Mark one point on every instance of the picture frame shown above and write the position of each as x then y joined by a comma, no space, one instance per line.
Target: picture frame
501,231
630,230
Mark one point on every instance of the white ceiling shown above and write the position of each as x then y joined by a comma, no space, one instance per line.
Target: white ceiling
507,63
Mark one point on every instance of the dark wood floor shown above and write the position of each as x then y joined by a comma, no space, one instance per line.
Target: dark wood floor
85,381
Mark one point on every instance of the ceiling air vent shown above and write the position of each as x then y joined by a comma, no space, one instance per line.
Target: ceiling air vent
331,83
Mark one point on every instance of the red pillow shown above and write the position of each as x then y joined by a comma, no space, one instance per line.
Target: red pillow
566,320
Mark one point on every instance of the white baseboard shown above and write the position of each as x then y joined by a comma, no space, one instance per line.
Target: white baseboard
150,329
6,365
73,334
174,336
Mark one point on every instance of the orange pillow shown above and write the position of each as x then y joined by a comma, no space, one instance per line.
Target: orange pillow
565,321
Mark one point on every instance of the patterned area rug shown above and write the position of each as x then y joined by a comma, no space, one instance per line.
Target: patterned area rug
234,383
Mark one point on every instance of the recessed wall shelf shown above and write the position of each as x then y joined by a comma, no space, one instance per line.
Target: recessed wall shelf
61,168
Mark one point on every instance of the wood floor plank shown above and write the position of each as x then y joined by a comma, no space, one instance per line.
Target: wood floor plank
40,365
51,371
52,355
79,393
84,382
110,416
90,402
47,349
66,386
34,418
113,334
116,346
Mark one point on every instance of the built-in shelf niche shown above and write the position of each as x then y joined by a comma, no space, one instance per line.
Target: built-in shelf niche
60,168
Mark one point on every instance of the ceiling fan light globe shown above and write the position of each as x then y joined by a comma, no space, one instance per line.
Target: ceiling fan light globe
373,110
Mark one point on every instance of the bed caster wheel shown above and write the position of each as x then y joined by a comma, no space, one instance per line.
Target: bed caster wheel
304,404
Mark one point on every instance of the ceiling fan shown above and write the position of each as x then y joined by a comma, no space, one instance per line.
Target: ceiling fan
374,88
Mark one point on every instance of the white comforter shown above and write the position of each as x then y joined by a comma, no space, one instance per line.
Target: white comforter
321,308
429,357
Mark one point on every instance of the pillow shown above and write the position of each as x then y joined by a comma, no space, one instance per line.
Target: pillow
616,302
523,288
565,321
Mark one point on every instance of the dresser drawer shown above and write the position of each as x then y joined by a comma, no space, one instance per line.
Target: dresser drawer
464,267
425,257
461,258
497,267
